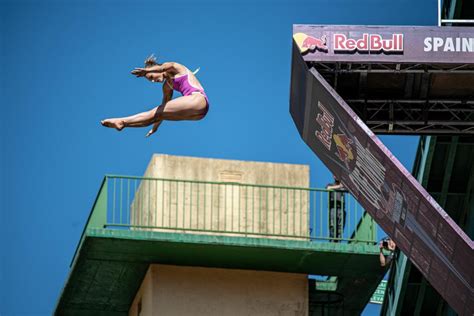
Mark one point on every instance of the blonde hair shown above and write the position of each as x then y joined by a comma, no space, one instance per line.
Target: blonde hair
151,61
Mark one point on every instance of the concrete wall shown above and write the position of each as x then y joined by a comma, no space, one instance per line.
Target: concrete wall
230,207
176,290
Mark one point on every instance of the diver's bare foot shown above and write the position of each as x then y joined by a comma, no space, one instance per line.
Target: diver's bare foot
118,124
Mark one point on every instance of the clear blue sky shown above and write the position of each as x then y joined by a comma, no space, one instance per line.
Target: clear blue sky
65,66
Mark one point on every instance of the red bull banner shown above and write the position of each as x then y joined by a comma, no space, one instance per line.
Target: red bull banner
392,196
407,44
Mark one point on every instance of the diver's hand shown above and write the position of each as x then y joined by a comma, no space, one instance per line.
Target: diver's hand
150,132
140,72
153,129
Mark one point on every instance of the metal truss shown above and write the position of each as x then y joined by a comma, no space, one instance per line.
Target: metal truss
337,68
415,113
416,116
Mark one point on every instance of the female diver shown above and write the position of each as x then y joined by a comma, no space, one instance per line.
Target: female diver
193,105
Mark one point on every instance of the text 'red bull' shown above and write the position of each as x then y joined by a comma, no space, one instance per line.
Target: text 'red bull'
368,43
326,121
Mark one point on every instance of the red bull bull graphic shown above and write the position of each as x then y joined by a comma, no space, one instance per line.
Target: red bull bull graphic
391,44
344,148
310,44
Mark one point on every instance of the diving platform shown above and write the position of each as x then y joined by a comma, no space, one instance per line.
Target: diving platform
335,67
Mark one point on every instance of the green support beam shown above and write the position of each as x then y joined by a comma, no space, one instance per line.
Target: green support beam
420,297
453,146
467,217
422,175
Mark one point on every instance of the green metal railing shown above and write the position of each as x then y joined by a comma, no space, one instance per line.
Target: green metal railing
140,203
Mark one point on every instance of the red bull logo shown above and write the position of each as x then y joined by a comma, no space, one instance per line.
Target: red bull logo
368,43
326,121
344,148
309,43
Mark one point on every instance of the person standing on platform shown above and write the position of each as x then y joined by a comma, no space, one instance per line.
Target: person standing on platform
337,212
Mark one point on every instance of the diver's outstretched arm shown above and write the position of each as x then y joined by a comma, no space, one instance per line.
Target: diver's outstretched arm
165,67
167,95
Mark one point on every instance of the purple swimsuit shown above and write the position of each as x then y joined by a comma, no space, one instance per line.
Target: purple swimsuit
181,84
